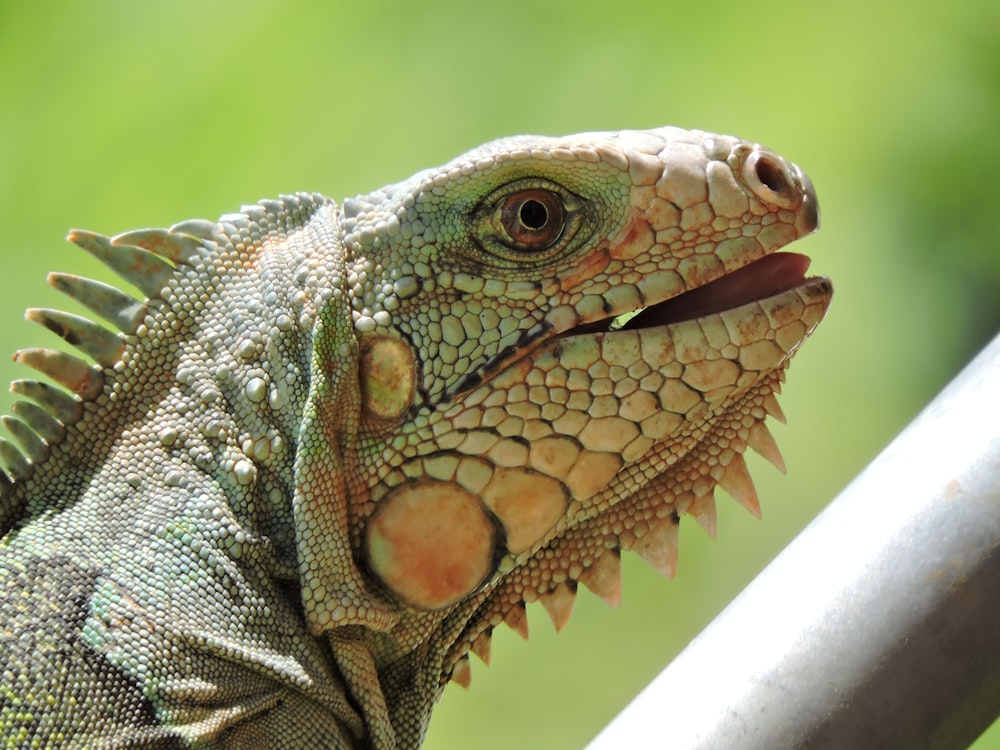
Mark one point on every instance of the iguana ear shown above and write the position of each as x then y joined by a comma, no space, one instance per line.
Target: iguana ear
334,591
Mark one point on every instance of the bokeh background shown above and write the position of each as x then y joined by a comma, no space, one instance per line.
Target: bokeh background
116,115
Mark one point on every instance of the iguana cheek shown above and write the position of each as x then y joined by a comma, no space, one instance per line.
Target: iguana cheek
433,542
637,238
527,503
586,269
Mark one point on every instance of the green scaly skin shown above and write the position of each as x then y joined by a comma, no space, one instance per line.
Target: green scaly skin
336,446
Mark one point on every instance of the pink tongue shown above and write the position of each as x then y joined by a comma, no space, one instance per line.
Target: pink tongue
762,278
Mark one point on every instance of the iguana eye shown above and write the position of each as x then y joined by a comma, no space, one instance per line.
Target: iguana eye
530,222
533,219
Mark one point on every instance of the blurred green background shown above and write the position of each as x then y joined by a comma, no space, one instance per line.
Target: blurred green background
116,115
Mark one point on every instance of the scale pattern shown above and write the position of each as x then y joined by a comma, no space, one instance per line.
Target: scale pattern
278,501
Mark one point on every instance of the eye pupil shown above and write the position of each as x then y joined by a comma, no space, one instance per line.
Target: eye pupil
533,214
533,219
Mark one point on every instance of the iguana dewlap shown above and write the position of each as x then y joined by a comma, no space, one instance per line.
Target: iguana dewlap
335,446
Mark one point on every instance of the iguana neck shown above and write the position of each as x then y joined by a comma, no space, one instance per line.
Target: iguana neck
211,383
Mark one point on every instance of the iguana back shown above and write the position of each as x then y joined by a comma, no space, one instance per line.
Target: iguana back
336,446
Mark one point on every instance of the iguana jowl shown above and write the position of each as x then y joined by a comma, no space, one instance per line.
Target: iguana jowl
336,446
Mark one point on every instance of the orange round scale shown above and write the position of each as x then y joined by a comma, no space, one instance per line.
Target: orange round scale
431,543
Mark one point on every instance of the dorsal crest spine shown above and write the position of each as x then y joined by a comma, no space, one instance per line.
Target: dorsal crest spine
145,258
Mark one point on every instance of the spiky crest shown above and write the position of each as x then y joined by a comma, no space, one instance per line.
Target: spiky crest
148,259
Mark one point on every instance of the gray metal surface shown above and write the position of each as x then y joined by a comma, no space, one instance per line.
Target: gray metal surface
878,626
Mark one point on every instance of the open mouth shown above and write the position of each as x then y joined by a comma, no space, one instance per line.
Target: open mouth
773,274
763,278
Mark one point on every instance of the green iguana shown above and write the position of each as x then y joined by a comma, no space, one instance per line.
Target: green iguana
336,446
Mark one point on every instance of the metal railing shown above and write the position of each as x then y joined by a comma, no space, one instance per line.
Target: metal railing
878,626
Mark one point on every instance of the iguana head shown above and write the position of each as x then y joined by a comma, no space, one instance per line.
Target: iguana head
517,429
458,395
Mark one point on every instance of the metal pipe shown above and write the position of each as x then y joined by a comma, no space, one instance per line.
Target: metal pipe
878,626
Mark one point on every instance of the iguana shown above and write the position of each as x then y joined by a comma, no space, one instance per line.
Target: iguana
335,446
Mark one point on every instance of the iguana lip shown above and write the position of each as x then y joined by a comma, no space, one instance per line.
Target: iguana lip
770,275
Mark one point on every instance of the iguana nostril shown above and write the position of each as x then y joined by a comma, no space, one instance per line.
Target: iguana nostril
771,175
771,179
